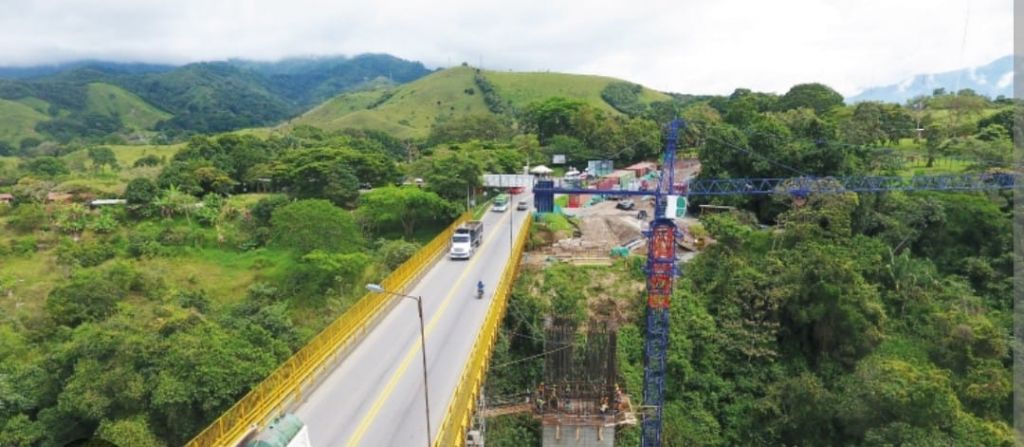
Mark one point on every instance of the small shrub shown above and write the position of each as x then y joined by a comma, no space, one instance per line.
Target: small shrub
144,242
84,254
24,246
104,223
207,216
149,160
27,218
195,299
395,252
184,237
86,297
264,209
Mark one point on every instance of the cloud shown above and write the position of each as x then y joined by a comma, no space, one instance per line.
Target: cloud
1005,80
696,46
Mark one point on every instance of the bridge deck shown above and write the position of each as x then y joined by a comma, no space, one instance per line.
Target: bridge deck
374,396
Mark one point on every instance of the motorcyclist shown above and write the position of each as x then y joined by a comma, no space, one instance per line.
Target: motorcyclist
479,289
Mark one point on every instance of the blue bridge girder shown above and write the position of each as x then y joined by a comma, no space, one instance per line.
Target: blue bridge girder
802,186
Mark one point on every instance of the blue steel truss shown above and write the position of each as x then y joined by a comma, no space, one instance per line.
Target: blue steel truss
802,186
661,273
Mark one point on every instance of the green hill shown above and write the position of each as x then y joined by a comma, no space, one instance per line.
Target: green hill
406,111
110,100
521,89
91,101
64,111
19,121
409,110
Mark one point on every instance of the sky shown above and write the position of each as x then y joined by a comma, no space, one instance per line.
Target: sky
685,46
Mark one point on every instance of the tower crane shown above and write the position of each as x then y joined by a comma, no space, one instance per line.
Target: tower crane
661,267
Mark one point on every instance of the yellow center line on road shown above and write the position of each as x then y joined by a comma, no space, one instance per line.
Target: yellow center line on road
414,348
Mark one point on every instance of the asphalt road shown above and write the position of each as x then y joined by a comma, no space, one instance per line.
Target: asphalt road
374,397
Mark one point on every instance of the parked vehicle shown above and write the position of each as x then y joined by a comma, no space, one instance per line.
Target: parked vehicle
466,238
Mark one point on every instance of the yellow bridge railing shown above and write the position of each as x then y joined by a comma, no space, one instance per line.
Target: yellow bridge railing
452,431
286,384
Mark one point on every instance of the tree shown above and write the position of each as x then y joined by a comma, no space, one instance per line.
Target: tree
480,126
405,206
1005,118
102,156
147,161
452,176
181,175
551,117
27,217
624,97
642,138
743,106
231,153
306,225
574,150
264,209
213,180
133,431
72,219
332,174
86,297
833,312
45,167
140,194
819,97
394,252
885,391
31,190
326,271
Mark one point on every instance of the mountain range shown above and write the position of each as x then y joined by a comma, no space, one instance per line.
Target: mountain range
94,98
126,102
993,80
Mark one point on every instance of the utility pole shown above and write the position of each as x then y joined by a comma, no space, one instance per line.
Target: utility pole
423,349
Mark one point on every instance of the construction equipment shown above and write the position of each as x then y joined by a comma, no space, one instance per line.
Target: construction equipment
662,234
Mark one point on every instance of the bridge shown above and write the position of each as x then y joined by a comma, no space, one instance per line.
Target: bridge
357,383
360,382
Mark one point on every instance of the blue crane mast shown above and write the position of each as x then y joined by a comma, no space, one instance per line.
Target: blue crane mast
662,233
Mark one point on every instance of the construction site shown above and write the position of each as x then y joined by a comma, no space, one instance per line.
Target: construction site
580,401
605,227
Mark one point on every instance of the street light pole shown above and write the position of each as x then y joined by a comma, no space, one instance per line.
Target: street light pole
423,350
510,222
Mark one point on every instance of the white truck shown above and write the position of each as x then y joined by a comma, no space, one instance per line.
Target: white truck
467,236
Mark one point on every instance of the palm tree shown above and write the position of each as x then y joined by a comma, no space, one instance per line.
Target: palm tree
175,201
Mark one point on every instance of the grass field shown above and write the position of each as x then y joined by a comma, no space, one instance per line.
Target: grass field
410,110
19,121
224,275
524,88
111,183
33,277
110,100
127,155
326,115
35,103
